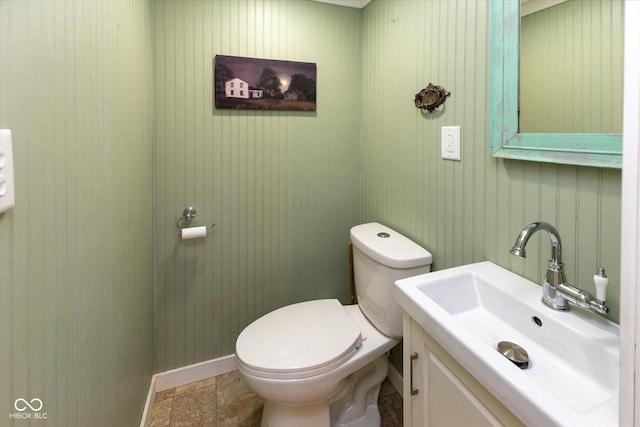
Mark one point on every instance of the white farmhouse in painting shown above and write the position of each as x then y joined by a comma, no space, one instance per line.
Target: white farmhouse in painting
238,88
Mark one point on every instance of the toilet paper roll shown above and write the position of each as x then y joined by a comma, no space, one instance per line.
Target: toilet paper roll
194,232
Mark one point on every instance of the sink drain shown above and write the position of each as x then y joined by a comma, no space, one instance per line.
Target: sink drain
514,353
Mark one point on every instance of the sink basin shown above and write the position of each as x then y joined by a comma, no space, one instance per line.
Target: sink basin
573,372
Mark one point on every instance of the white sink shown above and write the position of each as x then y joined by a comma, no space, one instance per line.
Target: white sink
573,373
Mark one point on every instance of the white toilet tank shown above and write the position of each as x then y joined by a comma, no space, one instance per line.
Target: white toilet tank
380,257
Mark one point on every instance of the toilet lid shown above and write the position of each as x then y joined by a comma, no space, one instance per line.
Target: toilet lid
299,338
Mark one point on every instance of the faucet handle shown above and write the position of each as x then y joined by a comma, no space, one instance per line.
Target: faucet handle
602,282
599,306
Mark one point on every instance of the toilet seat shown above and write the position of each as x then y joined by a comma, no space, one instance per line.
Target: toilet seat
298,341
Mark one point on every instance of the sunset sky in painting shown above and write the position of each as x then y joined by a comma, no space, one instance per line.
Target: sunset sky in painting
250,69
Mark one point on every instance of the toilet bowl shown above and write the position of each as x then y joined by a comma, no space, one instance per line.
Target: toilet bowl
320,364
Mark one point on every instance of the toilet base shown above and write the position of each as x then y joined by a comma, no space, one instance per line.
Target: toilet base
275,415
371,418
355,403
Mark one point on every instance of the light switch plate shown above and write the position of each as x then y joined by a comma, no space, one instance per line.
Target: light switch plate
450,141
7,183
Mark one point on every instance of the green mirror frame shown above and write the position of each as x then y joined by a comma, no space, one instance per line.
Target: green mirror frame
600,150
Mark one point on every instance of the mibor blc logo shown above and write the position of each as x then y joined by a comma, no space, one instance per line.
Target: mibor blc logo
28,409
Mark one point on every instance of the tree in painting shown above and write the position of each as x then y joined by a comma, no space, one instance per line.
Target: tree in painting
223,74
302,83
270,83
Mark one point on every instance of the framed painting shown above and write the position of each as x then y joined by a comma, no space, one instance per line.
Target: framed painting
264,84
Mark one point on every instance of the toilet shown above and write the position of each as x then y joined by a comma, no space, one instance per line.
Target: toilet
319,363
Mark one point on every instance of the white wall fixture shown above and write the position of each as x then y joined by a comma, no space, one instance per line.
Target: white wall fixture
450,140
630,239
7,184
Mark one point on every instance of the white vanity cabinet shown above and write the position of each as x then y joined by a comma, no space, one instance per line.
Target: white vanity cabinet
444,393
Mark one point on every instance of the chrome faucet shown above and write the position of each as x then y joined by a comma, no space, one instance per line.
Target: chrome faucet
556,292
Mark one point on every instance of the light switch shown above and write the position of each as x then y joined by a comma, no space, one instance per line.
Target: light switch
7,184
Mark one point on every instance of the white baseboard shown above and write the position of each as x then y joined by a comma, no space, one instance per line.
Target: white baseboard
151,396
185,375
211,368
192,373
395,378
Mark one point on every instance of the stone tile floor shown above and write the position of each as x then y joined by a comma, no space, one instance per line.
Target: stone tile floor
226,401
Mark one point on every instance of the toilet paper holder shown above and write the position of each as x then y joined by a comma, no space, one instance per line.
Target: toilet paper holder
187,215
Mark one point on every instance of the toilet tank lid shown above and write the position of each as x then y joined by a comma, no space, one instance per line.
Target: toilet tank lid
388,247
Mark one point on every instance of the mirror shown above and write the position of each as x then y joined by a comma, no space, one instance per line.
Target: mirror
590,149
571,71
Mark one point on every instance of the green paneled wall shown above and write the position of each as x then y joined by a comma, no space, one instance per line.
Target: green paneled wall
281,186
76,268
85,84
470,210
284,188
574,52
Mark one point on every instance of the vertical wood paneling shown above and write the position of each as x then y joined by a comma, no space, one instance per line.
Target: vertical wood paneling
573,51
471,210
76,252
282,187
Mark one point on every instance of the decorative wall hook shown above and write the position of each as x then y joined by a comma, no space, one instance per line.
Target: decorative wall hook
431,97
